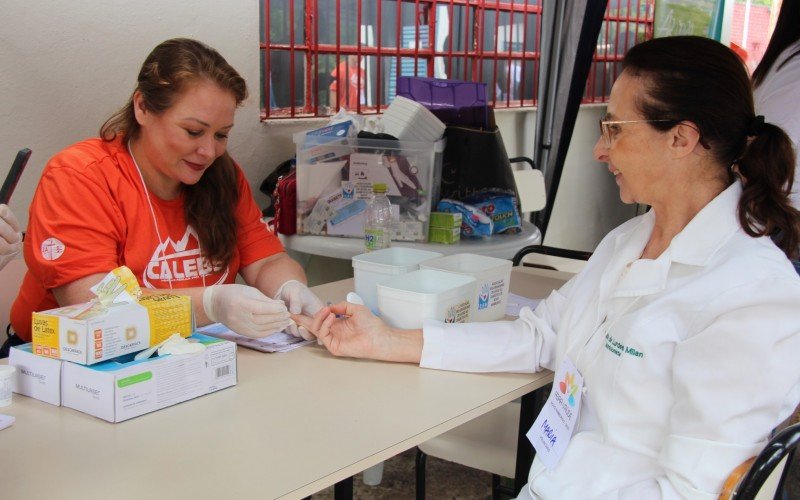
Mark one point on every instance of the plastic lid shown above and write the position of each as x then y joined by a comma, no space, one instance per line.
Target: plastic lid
379,187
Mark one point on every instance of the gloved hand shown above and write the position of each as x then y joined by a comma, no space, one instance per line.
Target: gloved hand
245,310
300,300
10,237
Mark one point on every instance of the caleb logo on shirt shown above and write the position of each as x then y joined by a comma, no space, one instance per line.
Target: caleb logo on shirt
180,262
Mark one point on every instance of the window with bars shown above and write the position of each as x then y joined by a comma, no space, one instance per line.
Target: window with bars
320,55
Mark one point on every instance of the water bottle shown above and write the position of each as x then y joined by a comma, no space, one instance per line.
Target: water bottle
378,221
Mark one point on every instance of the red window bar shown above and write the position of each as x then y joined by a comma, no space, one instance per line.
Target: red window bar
301,61
626,23
493,41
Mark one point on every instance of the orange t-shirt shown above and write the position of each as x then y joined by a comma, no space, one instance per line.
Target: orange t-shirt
344,76
90,215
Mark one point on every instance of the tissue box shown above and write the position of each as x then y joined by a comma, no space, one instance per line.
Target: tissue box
122,389
88,334
37,376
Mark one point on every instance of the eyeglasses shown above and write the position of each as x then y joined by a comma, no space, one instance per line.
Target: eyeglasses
609,128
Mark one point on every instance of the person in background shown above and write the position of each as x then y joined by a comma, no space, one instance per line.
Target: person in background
346,76
10,236
777,82
682,333
159,193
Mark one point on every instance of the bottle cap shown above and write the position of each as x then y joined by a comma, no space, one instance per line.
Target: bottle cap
379,187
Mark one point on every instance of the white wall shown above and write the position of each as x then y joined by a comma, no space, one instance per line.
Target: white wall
65,66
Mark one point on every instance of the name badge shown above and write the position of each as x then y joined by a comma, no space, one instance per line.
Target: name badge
552,430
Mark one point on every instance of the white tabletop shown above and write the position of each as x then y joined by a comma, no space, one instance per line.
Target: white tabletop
502,246
296,423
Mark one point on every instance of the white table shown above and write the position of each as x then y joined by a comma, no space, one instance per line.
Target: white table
296,423
501,246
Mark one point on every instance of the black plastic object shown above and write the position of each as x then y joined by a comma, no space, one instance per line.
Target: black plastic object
555,252
14,174
784,444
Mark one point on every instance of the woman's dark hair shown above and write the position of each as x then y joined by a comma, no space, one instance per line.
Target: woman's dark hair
695,79
787,31
169,70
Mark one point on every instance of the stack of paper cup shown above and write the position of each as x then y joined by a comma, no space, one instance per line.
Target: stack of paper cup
7,374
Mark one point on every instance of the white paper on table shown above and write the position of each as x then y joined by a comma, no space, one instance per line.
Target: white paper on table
277,342
6,421
516,302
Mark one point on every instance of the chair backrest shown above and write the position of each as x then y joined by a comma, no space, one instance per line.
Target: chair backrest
11,277
747,480
558,259
530,185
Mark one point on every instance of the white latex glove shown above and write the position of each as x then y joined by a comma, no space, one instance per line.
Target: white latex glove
10,237
245,310
300,300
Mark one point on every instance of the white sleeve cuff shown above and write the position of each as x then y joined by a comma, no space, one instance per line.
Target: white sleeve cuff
432,344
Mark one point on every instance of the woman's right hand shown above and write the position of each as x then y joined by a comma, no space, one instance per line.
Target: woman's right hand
245,310
348,329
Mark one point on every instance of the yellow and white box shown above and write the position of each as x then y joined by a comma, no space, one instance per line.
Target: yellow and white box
124,388
119,321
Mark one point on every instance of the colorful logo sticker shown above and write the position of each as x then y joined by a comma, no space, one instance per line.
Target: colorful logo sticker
483,296
348,189
568,387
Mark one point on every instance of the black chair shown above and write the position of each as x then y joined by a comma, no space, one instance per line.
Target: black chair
746,481
552,251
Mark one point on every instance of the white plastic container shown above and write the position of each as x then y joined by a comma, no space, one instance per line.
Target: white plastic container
492,276
370,269
406,301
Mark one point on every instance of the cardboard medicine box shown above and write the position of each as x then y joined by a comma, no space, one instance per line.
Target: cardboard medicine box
121,389
37,376
445,227
89,333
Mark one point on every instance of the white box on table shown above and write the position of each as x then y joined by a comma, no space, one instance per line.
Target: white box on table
117,391
38,377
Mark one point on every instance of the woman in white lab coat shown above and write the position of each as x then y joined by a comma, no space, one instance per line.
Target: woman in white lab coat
684,325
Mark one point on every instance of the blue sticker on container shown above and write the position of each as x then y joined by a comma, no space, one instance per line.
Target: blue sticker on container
348,211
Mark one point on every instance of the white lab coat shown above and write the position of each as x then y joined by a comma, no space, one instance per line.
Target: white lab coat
776,99
688,360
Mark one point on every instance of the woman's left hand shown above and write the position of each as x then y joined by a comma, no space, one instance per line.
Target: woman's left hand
348,329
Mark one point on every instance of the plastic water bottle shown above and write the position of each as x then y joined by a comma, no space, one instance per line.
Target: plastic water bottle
378,221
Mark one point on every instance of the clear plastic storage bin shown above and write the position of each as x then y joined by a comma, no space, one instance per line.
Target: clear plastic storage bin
335,177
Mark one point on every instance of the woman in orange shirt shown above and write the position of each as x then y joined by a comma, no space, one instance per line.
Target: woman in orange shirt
158,192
